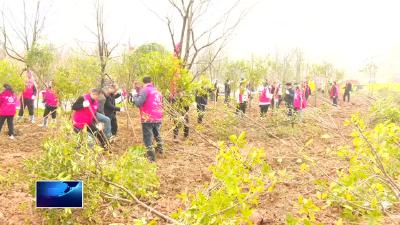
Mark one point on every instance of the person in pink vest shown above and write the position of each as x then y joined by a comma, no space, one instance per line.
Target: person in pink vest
28,98
264,99
298,99
150,102
334,93
8,108
50,101
84,115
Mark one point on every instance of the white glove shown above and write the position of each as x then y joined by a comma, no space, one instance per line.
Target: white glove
100,126
122,109
33,97
86,103
287,91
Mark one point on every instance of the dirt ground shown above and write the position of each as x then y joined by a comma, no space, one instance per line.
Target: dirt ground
184,166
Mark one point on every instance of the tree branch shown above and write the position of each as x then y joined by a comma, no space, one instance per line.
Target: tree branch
156,212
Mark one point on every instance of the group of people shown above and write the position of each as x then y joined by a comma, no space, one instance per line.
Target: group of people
335,92
94,111
97,110
98,115
9,103
296,96
271,96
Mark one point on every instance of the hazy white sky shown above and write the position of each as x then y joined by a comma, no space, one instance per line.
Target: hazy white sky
345,32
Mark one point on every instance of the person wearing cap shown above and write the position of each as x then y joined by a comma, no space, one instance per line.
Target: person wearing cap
8,108
28,98
289,98
84,115
150,103
50,101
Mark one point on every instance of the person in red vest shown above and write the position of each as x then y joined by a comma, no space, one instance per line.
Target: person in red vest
150,102
264,99
334,93
84,115
8,108
50,101
28,98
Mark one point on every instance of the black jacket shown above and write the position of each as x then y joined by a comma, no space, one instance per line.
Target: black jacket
348,88
289,98
201,99
109,106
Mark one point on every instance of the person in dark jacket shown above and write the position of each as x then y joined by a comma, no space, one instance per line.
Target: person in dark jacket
347,90
181,105
227,90
110,108
216,90
307,90
201,102
289,98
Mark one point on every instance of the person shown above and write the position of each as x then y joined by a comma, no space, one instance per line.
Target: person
298,99
84,115
307,90
242,97
149,100
334,93
216,89
51,103
201,102
227,90
28,98
272,91
8,108
277,95
124,94
264,99
289,98
181,106
110,108
347,90
304,101
102,118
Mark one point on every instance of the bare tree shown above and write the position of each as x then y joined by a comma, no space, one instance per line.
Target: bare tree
28,33
104,49
190,40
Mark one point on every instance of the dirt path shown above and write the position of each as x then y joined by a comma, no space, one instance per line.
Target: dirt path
185,165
